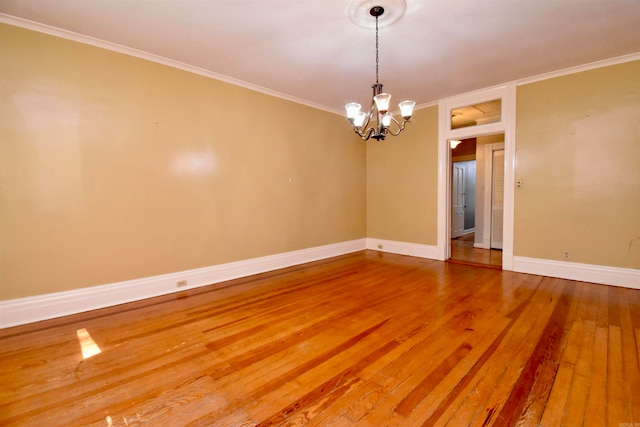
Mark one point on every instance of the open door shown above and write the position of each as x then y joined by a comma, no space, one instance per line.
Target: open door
497,199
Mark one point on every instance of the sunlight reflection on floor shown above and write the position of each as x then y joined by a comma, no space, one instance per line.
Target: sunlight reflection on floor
87,345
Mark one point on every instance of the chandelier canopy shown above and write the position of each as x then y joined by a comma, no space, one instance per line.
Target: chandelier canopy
385,122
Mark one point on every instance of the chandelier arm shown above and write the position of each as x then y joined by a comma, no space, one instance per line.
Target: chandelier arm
362,131
379,128
400,126
359,133
367,120
369,132
366,135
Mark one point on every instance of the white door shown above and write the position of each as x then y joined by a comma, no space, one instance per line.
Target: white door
458,201
497,199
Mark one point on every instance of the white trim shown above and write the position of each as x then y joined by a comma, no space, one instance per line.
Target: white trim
425,105
626,277
92,41
444,183
41,307
509,105
403,248
580,68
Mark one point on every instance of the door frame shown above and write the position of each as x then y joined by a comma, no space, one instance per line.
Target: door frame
507,95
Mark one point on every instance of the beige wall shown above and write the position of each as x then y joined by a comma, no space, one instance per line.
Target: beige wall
115,168
402,183
578,155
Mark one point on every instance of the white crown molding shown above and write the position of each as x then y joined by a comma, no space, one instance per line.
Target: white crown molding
625,277
579,68
425,105
403,248
92,41
42,307
470,97
80,38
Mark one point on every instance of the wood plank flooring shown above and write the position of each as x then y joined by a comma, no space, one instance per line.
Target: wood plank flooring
365,339
463,252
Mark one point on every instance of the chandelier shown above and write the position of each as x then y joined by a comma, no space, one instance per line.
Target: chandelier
385,122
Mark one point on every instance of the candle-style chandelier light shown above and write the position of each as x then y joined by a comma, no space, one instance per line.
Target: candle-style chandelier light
386,124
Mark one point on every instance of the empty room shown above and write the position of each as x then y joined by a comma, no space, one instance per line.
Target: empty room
320,213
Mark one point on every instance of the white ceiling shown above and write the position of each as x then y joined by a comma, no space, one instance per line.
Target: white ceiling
311,51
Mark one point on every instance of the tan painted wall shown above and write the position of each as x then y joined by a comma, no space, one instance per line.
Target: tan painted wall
578,155
402,183
115,168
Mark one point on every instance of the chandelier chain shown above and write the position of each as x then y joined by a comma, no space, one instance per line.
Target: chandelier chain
376,50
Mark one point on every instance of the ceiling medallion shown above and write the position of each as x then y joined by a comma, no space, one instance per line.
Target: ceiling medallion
385,122
359,12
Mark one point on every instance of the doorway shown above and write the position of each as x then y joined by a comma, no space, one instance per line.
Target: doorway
476,114
477,196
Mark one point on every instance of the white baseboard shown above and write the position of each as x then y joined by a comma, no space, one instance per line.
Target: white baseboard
625,277
403,248
42,307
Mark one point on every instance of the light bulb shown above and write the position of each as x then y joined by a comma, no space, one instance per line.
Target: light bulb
406,109
382,102
353,109
386,120
359,119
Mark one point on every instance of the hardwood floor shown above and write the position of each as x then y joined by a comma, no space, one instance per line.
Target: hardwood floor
463,252
365,339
